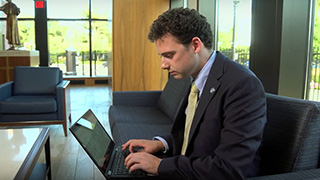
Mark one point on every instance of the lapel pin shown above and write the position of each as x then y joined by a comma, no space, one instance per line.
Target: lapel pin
212,90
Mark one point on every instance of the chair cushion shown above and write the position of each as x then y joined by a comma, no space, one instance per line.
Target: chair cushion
137,115
28,117
28,104
35,80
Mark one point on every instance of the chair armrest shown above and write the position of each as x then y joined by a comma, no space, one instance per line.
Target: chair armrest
63,99
63,84
312,174
136,98
6,90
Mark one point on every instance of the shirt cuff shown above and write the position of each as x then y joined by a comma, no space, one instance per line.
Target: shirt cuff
164,142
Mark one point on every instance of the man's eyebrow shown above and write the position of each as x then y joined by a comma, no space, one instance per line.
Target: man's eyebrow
167,53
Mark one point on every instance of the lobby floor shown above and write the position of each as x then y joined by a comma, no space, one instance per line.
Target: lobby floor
68,159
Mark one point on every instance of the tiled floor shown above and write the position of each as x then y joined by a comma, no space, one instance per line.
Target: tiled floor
68,159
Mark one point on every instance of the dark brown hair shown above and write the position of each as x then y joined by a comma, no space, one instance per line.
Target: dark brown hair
184,24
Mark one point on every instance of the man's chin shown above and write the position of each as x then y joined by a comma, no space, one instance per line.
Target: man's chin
177,76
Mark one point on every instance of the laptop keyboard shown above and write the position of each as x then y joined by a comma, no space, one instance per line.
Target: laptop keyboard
120,168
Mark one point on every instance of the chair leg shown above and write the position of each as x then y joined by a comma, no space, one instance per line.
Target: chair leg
64,124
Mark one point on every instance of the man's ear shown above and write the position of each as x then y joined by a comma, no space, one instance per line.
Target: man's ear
196,44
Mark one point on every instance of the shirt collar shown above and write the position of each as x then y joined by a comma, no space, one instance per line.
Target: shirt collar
202,77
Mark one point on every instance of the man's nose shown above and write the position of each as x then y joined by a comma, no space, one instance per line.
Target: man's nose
164,63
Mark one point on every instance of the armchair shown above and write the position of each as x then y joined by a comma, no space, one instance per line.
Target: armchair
37,96
291,142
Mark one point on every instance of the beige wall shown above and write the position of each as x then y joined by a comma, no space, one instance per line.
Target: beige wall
136,64
193,4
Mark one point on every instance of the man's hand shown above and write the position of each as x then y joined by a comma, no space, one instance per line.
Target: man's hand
142,160
149,146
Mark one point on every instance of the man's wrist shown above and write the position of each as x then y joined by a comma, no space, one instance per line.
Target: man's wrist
160,145
164,144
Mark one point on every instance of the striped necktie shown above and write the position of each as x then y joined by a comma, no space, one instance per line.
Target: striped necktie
191,108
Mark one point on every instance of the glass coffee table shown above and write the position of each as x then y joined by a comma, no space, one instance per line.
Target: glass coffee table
19,153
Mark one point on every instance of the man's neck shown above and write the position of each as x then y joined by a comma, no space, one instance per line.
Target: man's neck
204,57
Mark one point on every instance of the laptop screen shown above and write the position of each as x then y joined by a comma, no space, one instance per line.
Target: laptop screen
94,139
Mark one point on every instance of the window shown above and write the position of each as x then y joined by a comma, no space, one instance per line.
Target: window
69,46
26,8
79,36
314,88
234,29
67,9
25,25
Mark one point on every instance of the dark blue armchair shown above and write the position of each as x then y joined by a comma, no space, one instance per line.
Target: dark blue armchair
37,96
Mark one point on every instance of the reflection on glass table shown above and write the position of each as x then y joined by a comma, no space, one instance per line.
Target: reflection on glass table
20,150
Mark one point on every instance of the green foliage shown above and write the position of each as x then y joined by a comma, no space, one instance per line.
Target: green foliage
225,40
74,36
225,46
55,36
27,34
316,36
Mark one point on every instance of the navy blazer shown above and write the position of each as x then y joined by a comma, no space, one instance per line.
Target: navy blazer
227,128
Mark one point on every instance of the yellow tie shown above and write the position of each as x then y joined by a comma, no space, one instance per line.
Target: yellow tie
191,108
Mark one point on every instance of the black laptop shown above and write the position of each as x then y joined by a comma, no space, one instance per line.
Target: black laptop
107,156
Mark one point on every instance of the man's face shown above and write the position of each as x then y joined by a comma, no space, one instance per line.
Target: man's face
179,60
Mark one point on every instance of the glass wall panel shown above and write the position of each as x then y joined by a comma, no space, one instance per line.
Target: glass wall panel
101,9
69,29
25,25
27,34
234,29
2,14
314,88
2,35
69,46
101,47
67,9
26,8
68,34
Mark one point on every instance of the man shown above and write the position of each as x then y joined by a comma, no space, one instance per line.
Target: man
223,138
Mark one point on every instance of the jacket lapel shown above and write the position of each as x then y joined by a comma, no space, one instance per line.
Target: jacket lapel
209,91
